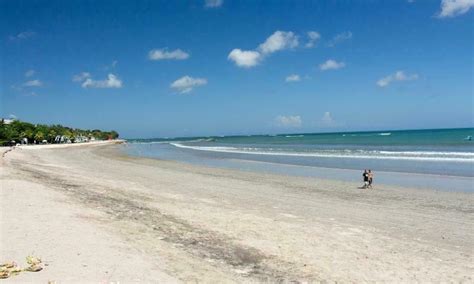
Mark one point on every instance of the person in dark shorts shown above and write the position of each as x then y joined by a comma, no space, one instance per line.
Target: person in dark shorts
365,175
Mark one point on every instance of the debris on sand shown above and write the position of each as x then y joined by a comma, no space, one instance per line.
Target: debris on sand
4,273
34,268
10,268
32,260
10,264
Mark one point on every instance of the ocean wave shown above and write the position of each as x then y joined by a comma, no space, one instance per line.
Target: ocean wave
465,157
150,142
368,134
294,136
429,153
172,141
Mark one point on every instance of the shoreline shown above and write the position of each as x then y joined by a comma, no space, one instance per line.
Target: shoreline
234,226
355,181
314,168
414,180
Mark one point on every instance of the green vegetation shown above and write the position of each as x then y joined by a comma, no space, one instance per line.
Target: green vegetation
17,130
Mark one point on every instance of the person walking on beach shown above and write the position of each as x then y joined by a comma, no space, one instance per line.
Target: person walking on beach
365,175
371,178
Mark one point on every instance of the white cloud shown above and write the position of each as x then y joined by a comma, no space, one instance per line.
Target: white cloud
293,78
111,66
111,82
15,87
331,65
244,58
81,77
161,54
279,40
186,84
30,73
29,83
33,83
313,37
340,38
22,35
213,3
288,121
397,76
327,120
452,8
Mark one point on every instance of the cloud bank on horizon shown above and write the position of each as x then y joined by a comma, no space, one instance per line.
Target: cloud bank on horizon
289,121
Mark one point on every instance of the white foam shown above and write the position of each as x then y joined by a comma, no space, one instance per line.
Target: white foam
368,134
384,155
171,141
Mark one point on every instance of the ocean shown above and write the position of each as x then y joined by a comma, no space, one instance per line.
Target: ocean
433,152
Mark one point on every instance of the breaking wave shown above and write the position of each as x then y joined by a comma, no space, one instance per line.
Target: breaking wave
463,157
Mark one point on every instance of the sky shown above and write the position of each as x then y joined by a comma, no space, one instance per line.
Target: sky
228,67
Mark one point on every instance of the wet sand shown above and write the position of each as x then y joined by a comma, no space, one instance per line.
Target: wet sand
94,214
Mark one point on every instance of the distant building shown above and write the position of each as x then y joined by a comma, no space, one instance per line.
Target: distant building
80,139
7,120
60,139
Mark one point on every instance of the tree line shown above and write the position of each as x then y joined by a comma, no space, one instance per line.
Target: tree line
14,131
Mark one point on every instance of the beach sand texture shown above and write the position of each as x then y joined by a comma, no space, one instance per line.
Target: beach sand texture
93,215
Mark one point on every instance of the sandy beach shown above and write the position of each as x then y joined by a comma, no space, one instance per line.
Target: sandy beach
96,215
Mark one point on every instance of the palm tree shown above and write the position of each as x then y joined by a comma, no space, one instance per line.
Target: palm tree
51,135
39,136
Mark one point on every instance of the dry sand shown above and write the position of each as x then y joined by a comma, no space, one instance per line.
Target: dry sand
95,215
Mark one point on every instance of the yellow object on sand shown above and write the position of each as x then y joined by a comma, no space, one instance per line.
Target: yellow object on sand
34,268
8,264
8,269
16,270
32,260
4,273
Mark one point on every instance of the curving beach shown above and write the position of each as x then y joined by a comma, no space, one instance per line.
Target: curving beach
94,214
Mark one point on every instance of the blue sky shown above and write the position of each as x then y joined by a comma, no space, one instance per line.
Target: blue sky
191,68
